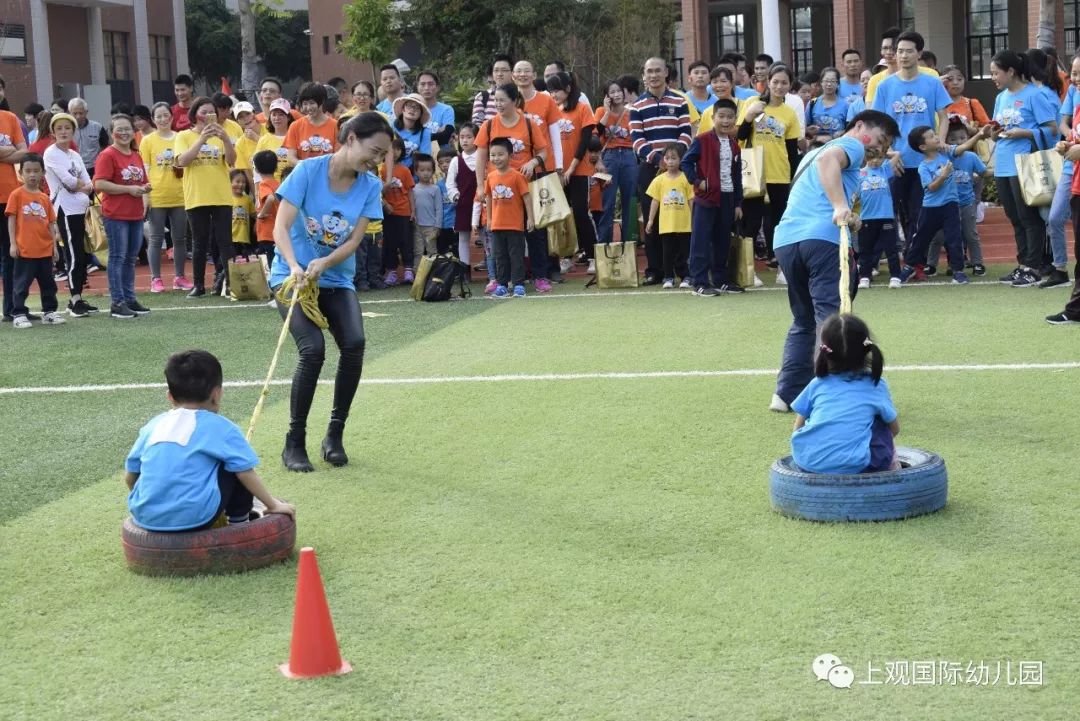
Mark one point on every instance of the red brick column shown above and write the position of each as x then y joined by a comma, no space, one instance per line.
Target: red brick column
695,31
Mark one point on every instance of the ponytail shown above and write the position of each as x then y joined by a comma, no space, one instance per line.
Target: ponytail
1011,60
844,347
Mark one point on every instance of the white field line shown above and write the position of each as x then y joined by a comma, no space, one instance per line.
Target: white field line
548,377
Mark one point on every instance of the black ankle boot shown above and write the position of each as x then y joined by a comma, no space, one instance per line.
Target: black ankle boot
295,456
219,282
333,452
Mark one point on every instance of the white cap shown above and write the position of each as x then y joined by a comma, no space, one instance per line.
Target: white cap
242,107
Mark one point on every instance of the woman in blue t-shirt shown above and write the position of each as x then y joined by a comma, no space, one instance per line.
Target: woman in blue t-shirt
826,116
325,206
1024,120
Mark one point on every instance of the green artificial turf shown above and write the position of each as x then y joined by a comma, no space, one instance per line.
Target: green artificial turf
555,549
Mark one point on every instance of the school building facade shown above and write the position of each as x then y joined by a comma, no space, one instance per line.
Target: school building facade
811,34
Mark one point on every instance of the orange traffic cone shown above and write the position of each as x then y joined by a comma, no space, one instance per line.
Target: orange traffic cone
314,649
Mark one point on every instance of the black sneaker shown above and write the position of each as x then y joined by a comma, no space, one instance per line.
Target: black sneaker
1026,279
772,263
120,310
138,308
6,319
1013,275
732,288
197,292
706,290
1061,319
1054,278
930,271
978,269
91,309
651,280
33,317
78,309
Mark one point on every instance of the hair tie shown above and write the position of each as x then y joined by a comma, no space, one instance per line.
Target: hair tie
867,343
826,348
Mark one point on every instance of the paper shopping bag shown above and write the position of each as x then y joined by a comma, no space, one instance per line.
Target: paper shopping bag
548,200
97,242
1039,174
420,279
753,172
248,281
562,238
740,265
616,265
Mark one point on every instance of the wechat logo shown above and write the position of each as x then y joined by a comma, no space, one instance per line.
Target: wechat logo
828,667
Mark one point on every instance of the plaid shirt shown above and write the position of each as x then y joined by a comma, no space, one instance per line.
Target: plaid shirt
657,121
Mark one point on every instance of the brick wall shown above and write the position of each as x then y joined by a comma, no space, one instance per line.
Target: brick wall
19,78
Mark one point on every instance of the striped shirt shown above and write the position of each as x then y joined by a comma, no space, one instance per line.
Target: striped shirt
482,111
657,121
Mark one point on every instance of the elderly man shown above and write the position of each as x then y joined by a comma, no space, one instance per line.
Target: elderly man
90,136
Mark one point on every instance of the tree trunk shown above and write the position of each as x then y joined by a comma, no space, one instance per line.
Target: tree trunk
249,57
1044,37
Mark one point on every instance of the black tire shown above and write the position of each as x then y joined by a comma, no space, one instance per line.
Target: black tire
920,486
230,549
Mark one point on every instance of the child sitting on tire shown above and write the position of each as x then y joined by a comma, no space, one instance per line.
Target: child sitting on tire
846,420
189,465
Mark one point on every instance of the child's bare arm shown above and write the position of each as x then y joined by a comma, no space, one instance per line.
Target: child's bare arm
654,210
11,234
130,479
253,483
895,427
267,205
799,422
530,221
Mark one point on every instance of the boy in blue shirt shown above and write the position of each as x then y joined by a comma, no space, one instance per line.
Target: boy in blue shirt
448,237
189,465
941,203
966,169
878,233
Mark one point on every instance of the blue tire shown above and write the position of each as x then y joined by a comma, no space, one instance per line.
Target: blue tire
920,486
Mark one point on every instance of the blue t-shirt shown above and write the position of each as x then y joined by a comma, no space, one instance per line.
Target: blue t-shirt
177,456
857,106
449,209
911,103
965,169
701,105
830,120
1028,109
848,92
809,212
386,108
875,193
325,219
416,141
839,410
929,169
441,116
1068,109
742,93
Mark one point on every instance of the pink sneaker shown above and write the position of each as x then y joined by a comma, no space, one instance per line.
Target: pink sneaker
490,287
391,278
542,285
409,275
181,283
156,286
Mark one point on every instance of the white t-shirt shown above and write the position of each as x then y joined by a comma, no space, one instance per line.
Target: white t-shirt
65,171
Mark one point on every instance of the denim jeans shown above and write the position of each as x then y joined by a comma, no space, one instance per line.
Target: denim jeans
710,242
813,276
125,242
622,166
945,218
1059,215
907,193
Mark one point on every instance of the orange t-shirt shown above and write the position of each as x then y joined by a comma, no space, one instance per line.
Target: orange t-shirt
264,227
508,192
544,113
571,125
971,109
525,147
33,213
616,134
310,140
398,193
11,136
596,195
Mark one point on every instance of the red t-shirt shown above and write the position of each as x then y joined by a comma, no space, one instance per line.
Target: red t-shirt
115,167
180,119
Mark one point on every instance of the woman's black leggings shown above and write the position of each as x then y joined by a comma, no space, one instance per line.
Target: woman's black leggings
756,213
342,311
210,224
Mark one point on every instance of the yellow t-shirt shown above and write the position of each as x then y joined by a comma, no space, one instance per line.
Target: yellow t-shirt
232,129
772,129
875,80
206,179
695,116
706,125
245,150
276,144
157,155
674,196
243,210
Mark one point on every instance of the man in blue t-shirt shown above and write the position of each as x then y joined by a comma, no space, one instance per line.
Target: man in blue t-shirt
441,123
808,236
912,99
851,84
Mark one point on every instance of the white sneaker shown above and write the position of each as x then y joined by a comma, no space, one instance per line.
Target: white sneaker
780,279
53,318
592,266
668,284
777,405
21,321
874,273
758,282
685,284
566,265
864,283
895,282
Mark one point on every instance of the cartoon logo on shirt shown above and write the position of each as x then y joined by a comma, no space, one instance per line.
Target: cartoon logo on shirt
132,174
962,177
618,131
208,155
164,159
1009,117
830,123
395,184
502,192
769,124
566,126
410,147
869,183
519,146
316,144
282,154
909,104
674,199
34,209
535,119
335,228
5,140
239,212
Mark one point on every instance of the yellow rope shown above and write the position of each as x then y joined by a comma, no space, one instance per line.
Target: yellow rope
308,299
273,363
845,269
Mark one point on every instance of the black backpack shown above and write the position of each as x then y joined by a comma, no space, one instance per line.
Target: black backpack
445,271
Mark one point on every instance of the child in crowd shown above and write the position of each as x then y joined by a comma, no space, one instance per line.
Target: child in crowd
461,187
941,208
243,213
34,236
266,201
846,421
878,233
596,186
397,220
447,242
674,195
506,196
713,164
369,254
966,169
427,207
190,465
